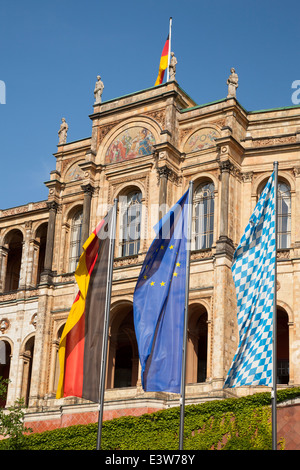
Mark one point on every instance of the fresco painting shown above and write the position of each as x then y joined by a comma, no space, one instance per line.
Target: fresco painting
132,143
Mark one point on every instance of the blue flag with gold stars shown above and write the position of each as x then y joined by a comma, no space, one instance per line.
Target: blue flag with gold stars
159,301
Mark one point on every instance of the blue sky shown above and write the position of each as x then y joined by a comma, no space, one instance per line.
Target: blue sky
51,52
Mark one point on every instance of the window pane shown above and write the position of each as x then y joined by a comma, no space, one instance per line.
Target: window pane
75,241
203,216
131,224
284,216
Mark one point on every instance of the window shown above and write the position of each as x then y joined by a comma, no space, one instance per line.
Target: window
203,220
130,227
284,216
75,241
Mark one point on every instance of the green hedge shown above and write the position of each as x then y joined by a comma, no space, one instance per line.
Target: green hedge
235,423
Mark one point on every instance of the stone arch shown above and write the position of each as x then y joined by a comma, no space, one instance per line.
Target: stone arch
283,346
26,355
39,251
72,210
130,216
286,207
205,199
13,243
261,181
55,368
70,240
6,348
203,177
197,343
9,233
123,356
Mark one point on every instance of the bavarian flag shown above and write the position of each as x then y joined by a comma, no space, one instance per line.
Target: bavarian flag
159,302
80,346
163,63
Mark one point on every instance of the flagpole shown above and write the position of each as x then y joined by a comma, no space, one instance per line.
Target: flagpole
169,54
274,339
187,285
106,323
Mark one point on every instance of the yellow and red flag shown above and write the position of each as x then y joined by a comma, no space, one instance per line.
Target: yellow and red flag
81,341
164,60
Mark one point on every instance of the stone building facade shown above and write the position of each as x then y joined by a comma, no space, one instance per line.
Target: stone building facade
144,149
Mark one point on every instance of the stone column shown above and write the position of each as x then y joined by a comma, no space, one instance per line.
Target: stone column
33,258
224,243
223,341
163,174
225,168
47,273
88,192
3,266
25,261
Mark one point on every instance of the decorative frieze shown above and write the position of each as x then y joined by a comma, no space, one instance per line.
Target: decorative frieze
271,141
201,254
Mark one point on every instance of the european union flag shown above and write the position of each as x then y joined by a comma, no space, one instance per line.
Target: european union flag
159,301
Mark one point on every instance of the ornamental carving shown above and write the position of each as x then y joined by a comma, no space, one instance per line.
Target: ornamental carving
159,116
201,254
4,325
269,141
34,320
283,254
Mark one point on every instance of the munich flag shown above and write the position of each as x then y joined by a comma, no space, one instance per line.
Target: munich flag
81,342
163,63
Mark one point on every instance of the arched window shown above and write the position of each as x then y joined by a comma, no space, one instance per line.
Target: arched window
27,357
41,238
284,216
123,358
197,344
203,218
15,246
5,356
75,241
282,346
130,223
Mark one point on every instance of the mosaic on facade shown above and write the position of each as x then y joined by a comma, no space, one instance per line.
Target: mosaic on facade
200,140
74,173
131,143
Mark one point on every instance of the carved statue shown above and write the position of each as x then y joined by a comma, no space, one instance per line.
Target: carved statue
232,83
172,67
98,90
62,133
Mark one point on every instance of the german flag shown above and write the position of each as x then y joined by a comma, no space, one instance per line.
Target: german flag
80,346
163,63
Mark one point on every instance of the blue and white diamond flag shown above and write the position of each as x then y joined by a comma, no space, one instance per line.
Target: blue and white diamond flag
253,271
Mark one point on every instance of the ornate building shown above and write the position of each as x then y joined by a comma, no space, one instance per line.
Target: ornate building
144,149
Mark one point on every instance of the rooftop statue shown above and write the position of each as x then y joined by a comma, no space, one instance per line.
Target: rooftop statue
172,67
98,90
232,83
62,133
